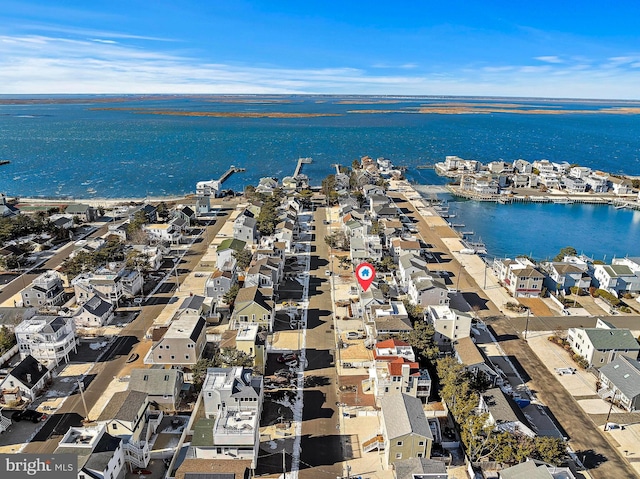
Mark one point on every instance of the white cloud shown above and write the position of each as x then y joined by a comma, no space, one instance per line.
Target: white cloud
550,59
97,64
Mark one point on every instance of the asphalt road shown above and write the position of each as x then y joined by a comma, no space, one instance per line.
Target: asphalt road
56,260
321,440
72,411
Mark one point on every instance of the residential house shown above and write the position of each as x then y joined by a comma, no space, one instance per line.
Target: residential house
353,228
543,166
620,186
149,212
245,228
264,273
84,212
94,313
371,297
187,214
365,248
468,354
409,264
397,375
616,278
372,190
389,318
267,185
401,246
107,285
574,185
231,388
209,188
562,276
162,386
385,212
580,171
153,254
522,166
182,343
128,415
254,305
519,276
179,224
602,345
6,208
250,340
531,469
100,455
164,232
632,262
497,167
219,284
504,414
391,349
47,338
597,182
420,468
25,381
425,291
225,253
405,429
450,324
45,291
64,222
620,381
233,435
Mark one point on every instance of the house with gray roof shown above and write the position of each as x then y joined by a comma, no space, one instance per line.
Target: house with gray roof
192,304
616,278
235,388
47,338
245,228
130,417
405,428
420,468
225,251
182,344
162,386
86,213
601,345
7,209
562,276
94,313
531,469
504,413
45,291
621,382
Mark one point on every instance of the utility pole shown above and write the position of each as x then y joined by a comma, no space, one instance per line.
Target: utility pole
284,464
84,403
526,328
606,423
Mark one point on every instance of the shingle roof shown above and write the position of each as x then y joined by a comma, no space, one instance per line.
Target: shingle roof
624,373
124,405
526,470
102,453
604,339
414,467
467,352
31,367
77,208
402,415
231,243
192,302
97,306
502,408
155,382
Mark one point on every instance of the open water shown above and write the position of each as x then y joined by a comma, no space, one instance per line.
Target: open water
76,150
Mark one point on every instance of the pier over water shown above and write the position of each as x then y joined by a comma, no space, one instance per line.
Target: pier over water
232,169
301,161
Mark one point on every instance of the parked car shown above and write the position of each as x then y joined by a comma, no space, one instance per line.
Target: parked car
285,358
28,415
353,335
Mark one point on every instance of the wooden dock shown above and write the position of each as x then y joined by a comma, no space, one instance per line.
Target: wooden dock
301,161
232,169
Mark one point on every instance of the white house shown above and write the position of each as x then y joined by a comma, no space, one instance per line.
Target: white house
25,381
49,339
44,291
450,324
94,313
602,344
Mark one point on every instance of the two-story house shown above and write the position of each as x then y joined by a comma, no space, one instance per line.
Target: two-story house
94,313
253,305
84,212
162,386
602,344
182,344
164,232
45,291
503,413
405,428
449,324
129,416
49,339
25,381
233,388
225,260
245,228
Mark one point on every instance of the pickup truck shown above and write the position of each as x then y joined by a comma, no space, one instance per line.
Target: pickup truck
28,415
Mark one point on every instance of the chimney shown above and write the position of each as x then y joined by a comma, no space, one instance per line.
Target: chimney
28,377
39,367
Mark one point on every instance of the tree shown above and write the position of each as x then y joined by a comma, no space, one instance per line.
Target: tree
230,296
550,449
199,372
230,357
415,312
566,251
386,264
135,225
355,164
243,258
421,339
163,211
344,261
138,261
7,339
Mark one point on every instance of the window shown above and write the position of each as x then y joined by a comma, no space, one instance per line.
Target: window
159,357
166,347
421,443
419,454
114,426
145,377
173,357
398,456
399,443
186,356
166,377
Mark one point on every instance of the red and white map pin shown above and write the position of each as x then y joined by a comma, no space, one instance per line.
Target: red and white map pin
365,274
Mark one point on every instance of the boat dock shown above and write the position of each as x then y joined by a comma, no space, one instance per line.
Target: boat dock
232,169
303,161
428,166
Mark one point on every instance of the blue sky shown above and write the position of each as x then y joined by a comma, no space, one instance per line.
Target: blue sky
568,49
